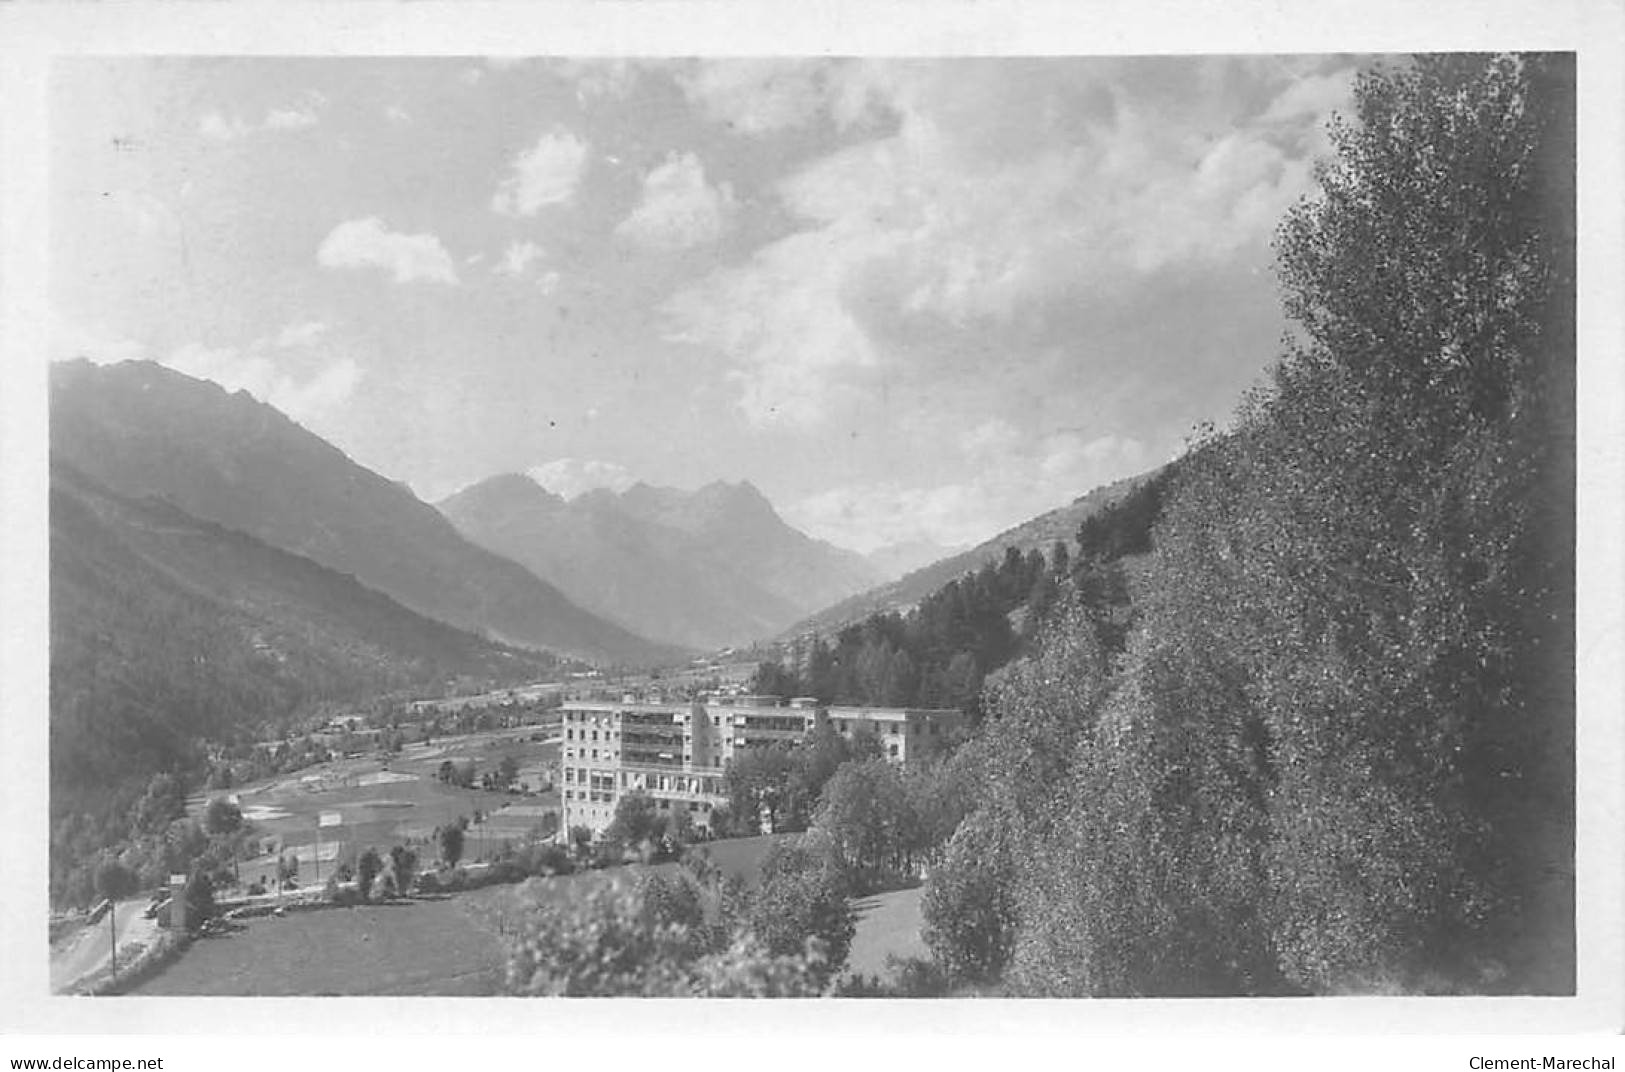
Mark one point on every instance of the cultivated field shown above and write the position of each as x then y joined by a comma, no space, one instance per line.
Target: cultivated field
397,801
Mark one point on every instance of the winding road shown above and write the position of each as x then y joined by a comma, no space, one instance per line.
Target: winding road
90,951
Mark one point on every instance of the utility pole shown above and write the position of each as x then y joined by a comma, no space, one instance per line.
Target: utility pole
112,936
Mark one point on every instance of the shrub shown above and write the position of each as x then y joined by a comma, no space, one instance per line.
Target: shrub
367,869
607,940
346,896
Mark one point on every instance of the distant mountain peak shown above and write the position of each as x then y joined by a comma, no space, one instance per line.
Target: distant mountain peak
709,567
519,487
739,495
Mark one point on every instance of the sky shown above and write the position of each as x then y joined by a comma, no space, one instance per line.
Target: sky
914,299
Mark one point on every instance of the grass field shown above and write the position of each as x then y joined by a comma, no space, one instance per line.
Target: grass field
410,948
888,925
441,946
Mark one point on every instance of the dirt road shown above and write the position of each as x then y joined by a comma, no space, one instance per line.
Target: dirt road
91,949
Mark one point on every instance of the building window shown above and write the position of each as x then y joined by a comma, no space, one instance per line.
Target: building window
891,750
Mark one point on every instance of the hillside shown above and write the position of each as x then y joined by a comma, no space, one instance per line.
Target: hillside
939,651
1039,533
144,430
708,568
168,631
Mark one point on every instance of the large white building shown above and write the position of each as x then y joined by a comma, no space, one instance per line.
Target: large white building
677,752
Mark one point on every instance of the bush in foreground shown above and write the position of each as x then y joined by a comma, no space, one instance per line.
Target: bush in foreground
605,942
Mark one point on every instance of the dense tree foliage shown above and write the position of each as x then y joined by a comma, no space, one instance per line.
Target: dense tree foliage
783,782
799,908
875,834
940,653
450,841
401,868
222,816
1336,753
199,898
114,881
636,826
367,869
646,938
969,907
1038,708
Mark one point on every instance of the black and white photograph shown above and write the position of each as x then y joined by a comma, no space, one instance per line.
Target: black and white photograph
1088,525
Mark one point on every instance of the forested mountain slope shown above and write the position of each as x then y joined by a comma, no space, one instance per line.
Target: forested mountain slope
141,429
168,633
1039,533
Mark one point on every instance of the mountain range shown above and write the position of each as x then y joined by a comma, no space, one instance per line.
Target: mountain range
217,569
141,430
708,568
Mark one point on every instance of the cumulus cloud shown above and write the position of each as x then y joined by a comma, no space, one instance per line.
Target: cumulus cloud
570,477
545,174
368,243
679,208
993,438
290,370
600,79
217,127
303,333
1314,96
1004,194
518,257
1014,481
297,116
793,342
754,96
290,119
